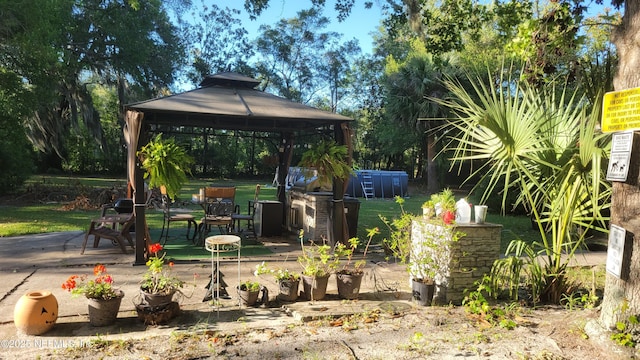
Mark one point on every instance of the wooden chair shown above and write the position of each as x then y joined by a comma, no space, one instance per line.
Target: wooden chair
170,217
107,227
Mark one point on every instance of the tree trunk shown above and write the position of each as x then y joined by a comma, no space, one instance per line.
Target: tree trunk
625,206
432,174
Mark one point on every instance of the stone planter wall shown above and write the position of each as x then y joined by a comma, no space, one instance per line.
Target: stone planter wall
470,258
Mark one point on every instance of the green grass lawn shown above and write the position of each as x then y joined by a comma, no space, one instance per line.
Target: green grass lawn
45,217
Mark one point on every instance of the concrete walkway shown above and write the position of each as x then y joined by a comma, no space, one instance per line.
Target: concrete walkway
45,261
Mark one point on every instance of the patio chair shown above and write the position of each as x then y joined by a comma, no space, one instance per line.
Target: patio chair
106,227
219,209
237,217
175,216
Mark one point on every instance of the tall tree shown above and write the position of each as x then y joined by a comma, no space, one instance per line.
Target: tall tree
215,41
114,39
622,295
289,53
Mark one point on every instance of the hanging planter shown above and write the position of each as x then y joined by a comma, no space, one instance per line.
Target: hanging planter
165,164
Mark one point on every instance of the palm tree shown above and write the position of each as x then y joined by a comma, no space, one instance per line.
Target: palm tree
542,145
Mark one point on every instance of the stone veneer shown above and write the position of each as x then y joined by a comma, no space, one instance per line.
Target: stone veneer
309,211
470,258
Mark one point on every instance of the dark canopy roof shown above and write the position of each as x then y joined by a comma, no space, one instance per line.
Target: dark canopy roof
229,101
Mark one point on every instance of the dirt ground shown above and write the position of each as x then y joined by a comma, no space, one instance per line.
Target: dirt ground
389,333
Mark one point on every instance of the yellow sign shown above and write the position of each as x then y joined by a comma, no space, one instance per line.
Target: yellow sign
621,110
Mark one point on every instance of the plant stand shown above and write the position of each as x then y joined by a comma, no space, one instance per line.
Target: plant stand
217,244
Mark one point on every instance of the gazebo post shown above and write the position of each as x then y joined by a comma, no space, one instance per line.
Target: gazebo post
139,211
285,152
338,227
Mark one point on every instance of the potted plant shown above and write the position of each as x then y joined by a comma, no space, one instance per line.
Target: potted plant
103,299
428,256
349,277
248,292
158,284
288,281
166,165
330,161
444,205
317,265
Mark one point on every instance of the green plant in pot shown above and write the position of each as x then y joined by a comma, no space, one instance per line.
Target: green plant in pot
287,280
349,276
166,165
158,283
317,266
444,205
249,292
330,161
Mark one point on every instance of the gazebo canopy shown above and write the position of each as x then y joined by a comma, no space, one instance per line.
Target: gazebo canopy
228,101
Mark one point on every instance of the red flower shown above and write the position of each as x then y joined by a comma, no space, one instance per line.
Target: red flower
70,284
99,269
155,248
170,263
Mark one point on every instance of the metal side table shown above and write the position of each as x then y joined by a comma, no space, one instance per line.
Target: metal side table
217,244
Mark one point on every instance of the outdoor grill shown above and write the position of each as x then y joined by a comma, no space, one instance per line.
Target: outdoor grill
123,206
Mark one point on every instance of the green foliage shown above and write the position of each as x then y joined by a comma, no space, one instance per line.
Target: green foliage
343,251
330,161
166,164
427,258
158,279
541,144
316,260
217,42
279,274
399,241
16,155
249,285
476,303
55,47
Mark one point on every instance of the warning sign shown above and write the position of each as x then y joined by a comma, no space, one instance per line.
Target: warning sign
621,110
620,157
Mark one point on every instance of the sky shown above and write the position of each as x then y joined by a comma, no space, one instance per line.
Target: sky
360,24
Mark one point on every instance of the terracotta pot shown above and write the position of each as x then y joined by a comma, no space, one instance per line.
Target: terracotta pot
104,312
288,290
35,312
156,300
315,287
349,285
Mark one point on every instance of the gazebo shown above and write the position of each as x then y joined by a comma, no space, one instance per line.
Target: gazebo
230,101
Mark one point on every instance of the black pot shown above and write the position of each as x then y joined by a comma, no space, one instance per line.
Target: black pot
422,292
